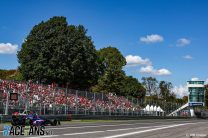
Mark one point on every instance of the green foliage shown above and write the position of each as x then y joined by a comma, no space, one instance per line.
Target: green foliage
112,77
111,58
17,76
110,62
153,98
179,101
161,94
185,99
4,74
10,75
131,86
110,82
206,96
56,51
165,91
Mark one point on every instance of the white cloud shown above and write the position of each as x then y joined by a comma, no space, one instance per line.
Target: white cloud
180,91
151,70
188,57
163,71
137,60
153,38
194,79
147,69
183,42
8,48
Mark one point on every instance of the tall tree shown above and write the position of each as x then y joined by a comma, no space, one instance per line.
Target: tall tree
111,62
56,51
185,99
166,91
151,85
132,87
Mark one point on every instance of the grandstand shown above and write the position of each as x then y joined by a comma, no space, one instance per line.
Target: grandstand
50,99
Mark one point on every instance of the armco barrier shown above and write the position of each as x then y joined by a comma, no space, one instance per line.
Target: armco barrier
7,118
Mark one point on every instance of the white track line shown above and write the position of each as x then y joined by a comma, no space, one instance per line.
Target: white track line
155,128
89,132
82,133
91,126
143,131
134,128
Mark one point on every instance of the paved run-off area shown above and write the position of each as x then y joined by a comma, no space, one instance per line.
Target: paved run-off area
131,129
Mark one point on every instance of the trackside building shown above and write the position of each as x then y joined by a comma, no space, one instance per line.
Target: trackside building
196,97
196,92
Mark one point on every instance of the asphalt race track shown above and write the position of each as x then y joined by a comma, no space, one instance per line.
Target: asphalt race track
132,129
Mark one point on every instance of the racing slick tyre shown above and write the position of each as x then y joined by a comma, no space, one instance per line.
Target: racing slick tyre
14,121
54,122
30,122
59,123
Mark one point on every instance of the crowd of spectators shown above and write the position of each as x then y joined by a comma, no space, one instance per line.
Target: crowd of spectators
51,95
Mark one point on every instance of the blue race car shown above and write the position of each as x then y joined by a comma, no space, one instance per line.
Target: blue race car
32,119
35,120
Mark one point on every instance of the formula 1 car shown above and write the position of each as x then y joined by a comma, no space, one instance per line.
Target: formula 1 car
32,119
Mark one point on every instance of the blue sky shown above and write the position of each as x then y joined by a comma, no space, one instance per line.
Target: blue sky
164,39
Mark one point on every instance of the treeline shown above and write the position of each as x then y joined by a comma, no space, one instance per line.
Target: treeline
161,91
206,96
10,75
